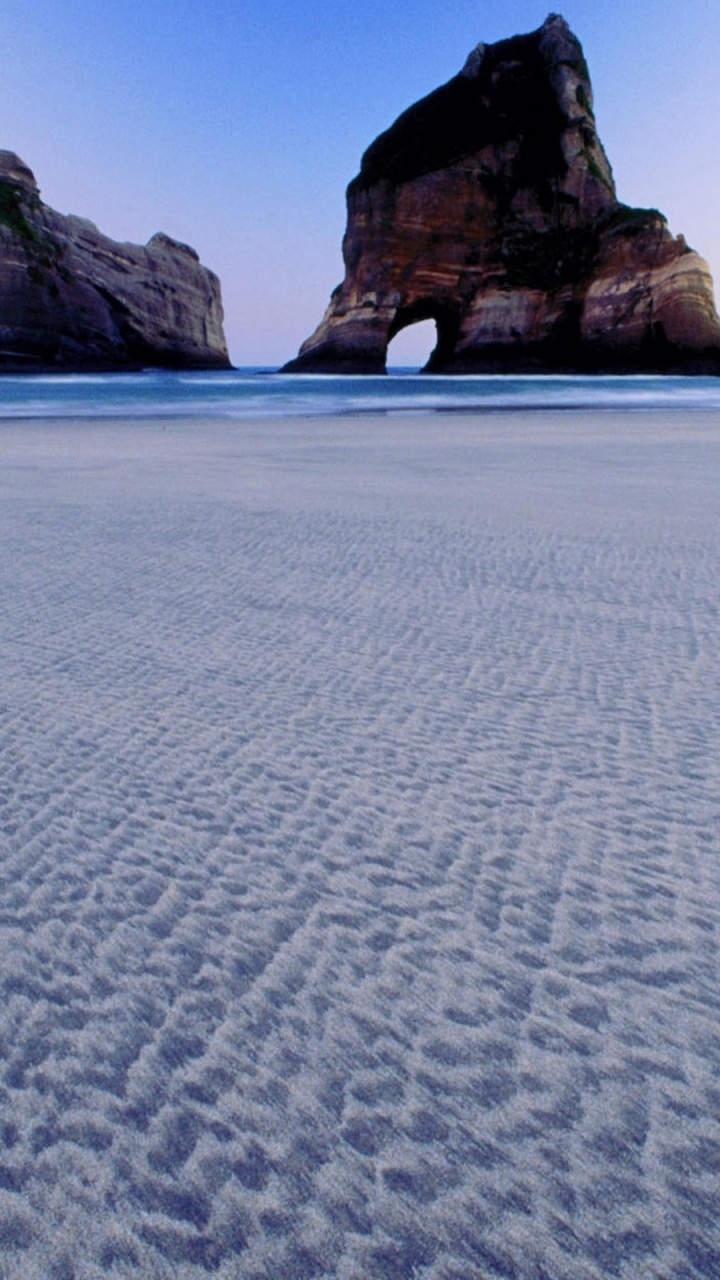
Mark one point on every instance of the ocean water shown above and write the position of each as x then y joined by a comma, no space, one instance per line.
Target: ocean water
252,393
360,835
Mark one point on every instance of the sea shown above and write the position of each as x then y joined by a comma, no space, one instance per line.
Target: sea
262,392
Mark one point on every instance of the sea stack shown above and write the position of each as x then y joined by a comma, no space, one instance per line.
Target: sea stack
73,299
490,207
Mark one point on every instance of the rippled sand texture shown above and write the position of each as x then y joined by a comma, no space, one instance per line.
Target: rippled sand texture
360,885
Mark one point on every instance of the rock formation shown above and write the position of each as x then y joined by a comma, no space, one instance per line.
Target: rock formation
490,207
72,299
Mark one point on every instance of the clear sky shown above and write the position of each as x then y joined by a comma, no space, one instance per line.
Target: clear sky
235,125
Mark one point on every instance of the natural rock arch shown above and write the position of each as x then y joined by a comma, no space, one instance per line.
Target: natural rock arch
490,206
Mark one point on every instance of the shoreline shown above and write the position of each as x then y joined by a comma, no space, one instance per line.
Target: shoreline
457,460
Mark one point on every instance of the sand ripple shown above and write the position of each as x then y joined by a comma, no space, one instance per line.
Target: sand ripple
360,885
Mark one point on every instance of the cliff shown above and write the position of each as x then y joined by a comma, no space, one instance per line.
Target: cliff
490,207
73,299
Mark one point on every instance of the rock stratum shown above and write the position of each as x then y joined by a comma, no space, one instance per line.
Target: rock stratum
73,299
490,207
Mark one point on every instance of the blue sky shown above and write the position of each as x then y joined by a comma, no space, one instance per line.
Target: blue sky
237,126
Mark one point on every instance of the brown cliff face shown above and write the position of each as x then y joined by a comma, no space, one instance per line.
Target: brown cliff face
490,207
71,298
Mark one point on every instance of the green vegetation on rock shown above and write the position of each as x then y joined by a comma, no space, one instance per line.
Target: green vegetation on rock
594,168
43,253
12,213
583,99
633,220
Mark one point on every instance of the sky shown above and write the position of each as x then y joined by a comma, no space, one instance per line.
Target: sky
235,125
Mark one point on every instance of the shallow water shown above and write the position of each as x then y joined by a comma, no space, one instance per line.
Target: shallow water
360,881
252,393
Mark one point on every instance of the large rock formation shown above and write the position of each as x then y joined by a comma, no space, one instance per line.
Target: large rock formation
490,207
72,299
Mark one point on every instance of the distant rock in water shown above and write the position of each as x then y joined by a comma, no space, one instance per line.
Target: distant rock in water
490,207
72,299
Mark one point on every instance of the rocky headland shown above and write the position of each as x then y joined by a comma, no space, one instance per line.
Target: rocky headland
73,299
490,207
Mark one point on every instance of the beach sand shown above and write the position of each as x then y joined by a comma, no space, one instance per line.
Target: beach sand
360,884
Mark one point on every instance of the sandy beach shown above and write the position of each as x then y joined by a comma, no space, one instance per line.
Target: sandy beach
360,876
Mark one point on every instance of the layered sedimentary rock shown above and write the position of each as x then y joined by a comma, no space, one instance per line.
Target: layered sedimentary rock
71,298
490,207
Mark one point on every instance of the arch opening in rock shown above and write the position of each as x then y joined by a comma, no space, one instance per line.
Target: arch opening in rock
411,348
422,318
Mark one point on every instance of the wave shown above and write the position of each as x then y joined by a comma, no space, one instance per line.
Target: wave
258,392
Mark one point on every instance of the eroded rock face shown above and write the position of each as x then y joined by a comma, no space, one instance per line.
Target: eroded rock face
490,207
72,299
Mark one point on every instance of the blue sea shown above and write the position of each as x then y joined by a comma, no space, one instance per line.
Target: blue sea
257,392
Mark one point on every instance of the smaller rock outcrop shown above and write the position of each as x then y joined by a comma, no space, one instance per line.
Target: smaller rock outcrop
73,299
490,207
